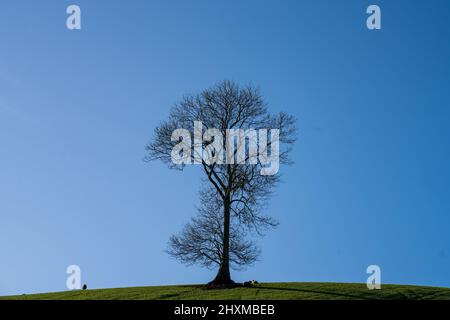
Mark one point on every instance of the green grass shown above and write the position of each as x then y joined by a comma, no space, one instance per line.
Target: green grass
288,291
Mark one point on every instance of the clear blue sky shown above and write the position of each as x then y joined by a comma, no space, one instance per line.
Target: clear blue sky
370,183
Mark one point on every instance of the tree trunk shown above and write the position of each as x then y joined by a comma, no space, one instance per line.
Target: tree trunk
223,277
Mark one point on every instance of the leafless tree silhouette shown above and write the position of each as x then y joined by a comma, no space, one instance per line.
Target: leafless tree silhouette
234,194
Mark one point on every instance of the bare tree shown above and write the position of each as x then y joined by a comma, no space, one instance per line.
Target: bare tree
235,191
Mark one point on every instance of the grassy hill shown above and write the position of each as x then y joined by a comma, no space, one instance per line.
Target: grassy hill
292,290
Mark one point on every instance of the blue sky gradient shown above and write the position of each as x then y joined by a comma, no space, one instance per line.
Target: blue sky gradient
370,183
